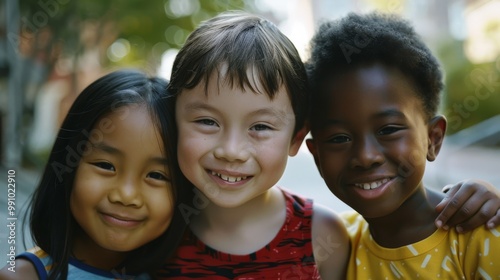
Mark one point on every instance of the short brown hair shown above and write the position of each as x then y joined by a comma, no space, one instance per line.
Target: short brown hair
241,41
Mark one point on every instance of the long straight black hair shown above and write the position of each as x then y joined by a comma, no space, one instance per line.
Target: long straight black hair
51,222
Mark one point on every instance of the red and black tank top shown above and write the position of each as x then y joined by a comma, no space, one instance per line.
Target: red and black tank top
288,256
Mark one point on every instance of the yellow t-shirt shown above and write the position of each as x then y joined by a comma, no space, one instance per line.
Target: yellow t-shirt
443,255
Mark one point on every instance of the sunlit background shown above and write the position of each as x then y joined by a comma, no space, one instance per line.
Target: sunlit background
51,49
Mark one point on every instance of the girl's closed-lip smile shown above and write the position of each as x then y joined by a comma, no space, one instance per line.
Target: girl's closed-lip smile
121,220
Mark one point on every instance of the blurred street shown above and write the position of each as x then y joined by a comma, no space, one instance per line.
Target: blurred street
25,181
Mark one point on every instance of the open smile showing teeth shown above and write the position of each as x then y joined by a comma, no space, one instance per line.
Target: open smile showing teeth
229,179
372,185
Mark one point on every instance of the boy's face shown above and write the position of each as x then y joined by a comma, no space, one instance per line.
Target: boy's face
234,144
371,139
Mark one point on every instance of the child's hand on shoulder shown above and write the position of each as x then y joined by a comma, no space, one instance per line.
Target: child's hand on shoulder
468,205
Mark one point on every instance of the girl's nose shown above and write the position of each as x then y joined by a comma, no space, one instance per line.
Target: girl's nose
127,192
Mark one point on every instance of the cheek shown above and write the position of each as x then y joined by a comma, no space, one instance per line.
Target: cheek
191,144
331,163
411,157
275,146
84,191
161,205
270,157
189,154
80,202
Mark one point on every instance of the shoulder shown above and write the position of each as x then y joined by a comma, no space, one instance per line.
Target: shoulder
479,248
22,270
352,218
325,217
479,237
330,243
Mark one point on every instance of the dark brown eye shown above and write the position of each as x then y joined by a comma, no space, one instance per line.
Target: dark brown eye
104,165
339,139
389,130
158,176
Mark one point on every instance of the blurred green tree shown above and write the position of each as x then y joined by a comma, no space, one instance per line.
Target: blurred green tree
50,28
54,36
472,91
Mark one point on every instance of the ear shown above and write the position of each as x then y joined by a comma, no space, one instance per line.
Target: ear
437,130
312,149
297,140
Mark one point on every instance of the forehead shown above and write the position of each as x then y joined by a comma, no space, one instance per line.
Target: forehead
229,99
376,82
250,79
365,92
127,124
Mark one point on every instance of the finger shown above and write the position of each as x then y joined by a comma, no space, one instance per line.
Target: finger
482,216
448,187
456,197
450,192
472,210
494,221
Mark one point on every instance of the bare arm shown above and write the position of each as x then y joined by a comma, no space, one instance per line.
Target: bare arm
24,269
330,243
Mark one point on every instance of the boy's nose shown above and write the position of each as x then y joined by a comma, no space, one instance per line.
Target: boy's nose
232,147
367,153
126,192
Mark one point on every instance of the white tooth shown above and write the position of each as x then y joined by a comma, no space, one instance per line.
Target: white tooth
373,185
366,186
224,177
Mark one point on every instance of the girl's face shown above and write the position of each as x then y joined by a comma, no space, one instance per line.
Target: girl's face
122,196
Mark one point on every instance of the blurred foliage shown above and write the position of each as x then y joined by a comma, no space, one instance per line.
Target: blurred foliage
146,28
71,35
472,91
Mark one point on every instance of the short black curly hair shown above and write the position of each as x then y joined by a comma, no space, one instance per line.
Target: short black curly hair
358,40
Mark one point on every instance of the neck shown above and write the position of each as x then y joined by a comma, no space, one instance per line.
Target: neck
411,222
221,217
243,229
87,251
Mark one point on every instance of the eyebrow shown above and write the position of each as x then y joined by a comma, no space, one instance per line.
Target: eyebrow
106,148
390,113
379,115
194,106
281,115
102,146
